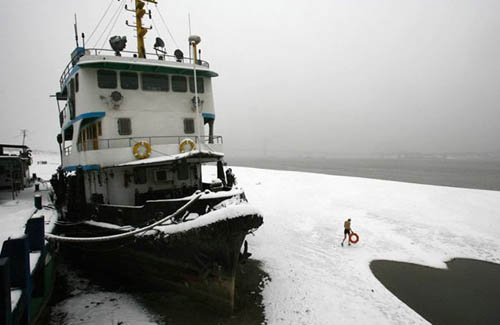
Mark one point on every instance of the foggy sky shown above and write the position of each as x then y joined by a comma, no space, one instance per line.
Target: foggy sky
303,76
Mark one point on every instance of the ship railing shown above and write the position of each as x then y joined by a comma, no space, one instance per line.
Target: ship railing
98,144
160,56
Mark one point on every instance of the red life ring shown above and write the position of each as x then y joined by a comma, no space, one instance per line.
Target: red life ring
353,238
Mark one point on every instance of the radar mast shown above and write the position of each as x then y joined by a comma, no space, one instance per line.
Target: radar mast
141,30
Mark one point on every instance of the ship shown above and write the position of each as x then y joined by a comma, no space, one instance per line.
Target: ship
14,167
143,191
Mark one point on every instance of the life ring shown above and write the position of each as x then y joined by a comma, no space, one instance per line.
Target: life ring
353,238
142,150
184,143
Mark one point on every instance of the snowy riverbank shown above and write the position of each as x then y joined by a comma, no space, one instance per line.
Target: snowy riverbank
313,280
316,281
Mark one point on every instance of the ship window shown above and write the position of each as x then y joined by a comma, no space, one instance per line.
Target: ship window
129,80
179,84
140,176
88,136
161,175
77,83
68,133
124,126
71,99
155,82
188,125
199,84
106,79
183,172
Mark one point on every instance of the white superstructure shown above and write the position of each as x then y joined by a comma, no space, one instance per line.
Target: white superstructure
117,106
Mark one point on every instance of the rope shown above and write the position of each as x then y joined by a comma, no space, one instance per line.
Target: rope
124,235
113,26
106,28
166,26
100,21
156,29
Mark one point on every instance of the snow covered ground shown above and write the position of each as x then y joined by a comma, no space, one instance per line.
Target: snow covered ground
316,281
14,213
313,280
90,304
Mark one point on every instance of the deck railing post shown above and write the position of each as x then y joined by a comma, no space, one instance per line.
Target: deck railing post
17,250
38,201
5,304
35,229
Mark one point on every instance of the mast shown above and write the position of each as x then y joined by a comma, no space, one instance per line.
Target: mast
141,30
194,40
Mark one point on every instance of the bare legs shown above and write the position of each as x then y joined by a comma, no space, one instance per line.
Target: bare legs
345,236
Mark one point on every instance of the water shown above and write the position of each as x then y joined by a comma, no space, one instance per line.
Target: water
467,173
468,292
101,292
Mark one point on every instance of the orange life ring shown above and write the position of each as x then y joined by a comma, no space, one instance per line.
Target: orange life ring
184,143
353,238
142,150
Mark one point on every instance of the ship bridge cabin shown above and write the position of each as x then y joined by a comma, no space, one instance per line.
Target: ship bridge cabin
120,112
114,102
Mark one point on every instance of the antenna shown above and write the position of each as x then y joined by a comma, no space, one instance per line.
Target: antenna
24,133
76,32
194,40
189,29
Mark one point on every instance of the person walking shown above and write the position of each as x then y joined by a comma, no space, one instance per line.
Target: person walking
347,231
231,179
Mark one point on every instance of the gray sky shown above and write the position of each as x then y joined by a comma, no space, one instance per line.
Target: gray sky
330,76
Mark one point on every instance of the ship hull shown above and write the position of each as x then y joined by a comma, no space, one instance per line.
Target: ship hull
200,262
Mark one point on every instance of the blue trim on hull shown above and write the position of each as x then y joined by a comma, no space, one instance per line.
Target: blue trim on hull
208,115
84,167
84,116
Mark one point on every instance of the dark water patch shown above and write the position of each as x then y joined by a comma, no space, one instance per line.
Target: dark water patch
169,307
468,292
249,309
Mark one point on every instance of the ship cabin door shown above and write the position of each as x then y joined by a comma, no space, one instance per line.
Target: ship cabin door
88,138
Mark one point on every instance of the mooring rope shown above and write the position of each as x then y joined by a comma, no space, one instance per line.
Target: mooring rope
124,235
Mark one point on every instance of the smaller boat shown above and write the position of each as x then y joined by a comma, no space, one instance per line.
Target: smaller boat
14,166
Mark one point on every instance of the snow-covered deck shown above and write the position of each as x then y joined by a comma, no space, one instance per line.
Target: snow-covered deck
15,213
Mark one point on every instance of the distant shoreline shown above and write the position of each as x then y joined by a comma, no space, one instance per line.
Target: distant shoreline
472,173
